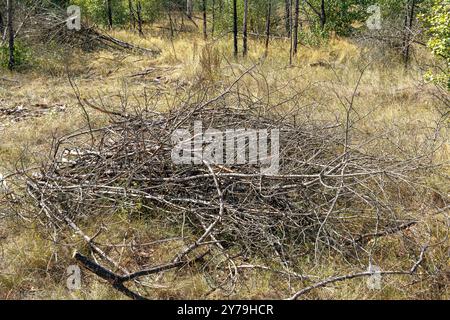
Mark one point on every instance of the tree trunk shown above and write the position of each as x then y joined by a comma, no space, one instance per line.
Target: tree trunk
172,33
287,16
189,8
291,49
205,23
269,13
408,29
139,17
296,17
109,12
323,15
244,29
132,19
10,8
235,28
2,25
213,17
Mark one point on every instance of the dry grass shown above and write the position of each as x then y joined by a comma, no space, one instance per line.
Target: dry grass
33,266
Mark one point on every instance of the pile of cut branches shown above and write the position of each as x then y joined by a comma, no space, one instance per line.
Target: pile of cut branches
320,183
48,23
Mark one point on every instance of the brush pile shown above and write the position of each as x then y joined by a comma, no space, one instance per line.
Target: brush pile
323,189
48,23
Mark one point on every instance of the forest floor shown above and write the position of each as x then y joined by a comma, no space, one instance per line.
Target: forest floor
39,103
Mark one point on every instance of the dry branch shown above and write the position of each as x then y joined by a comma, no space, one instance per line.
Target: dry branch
331,280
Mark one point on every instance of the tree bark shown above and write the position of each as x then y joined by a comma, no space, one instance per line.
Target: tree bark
2,25
213,17
291,49
296,17
205,23
287,16
10,8
244,29
323,14
235,28
269,13
172,33
410,8
139,17
132,19
109,12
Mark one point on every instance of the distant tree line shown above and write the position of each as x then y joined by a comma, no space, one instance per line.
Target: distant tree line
296,20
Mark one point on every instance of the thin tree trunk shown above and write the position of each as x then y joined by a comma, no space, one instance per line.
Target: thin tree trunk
291,49
296,17
132,20
139,17
213,17
269,13
205,23
408,29
235,28
109,12
2,25
172,33
10,8
244,29
287,16
323,14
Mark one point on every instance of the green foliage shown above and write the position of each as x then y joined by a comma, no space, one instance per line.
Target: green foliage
393,9
314,36
437,21
152,10
22,55
96,10
340,15
343,17
224,17
257,15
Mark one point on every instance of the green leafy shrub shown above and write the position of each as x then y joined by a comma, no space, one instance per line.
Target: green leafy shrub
437,21
22,55
96,11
